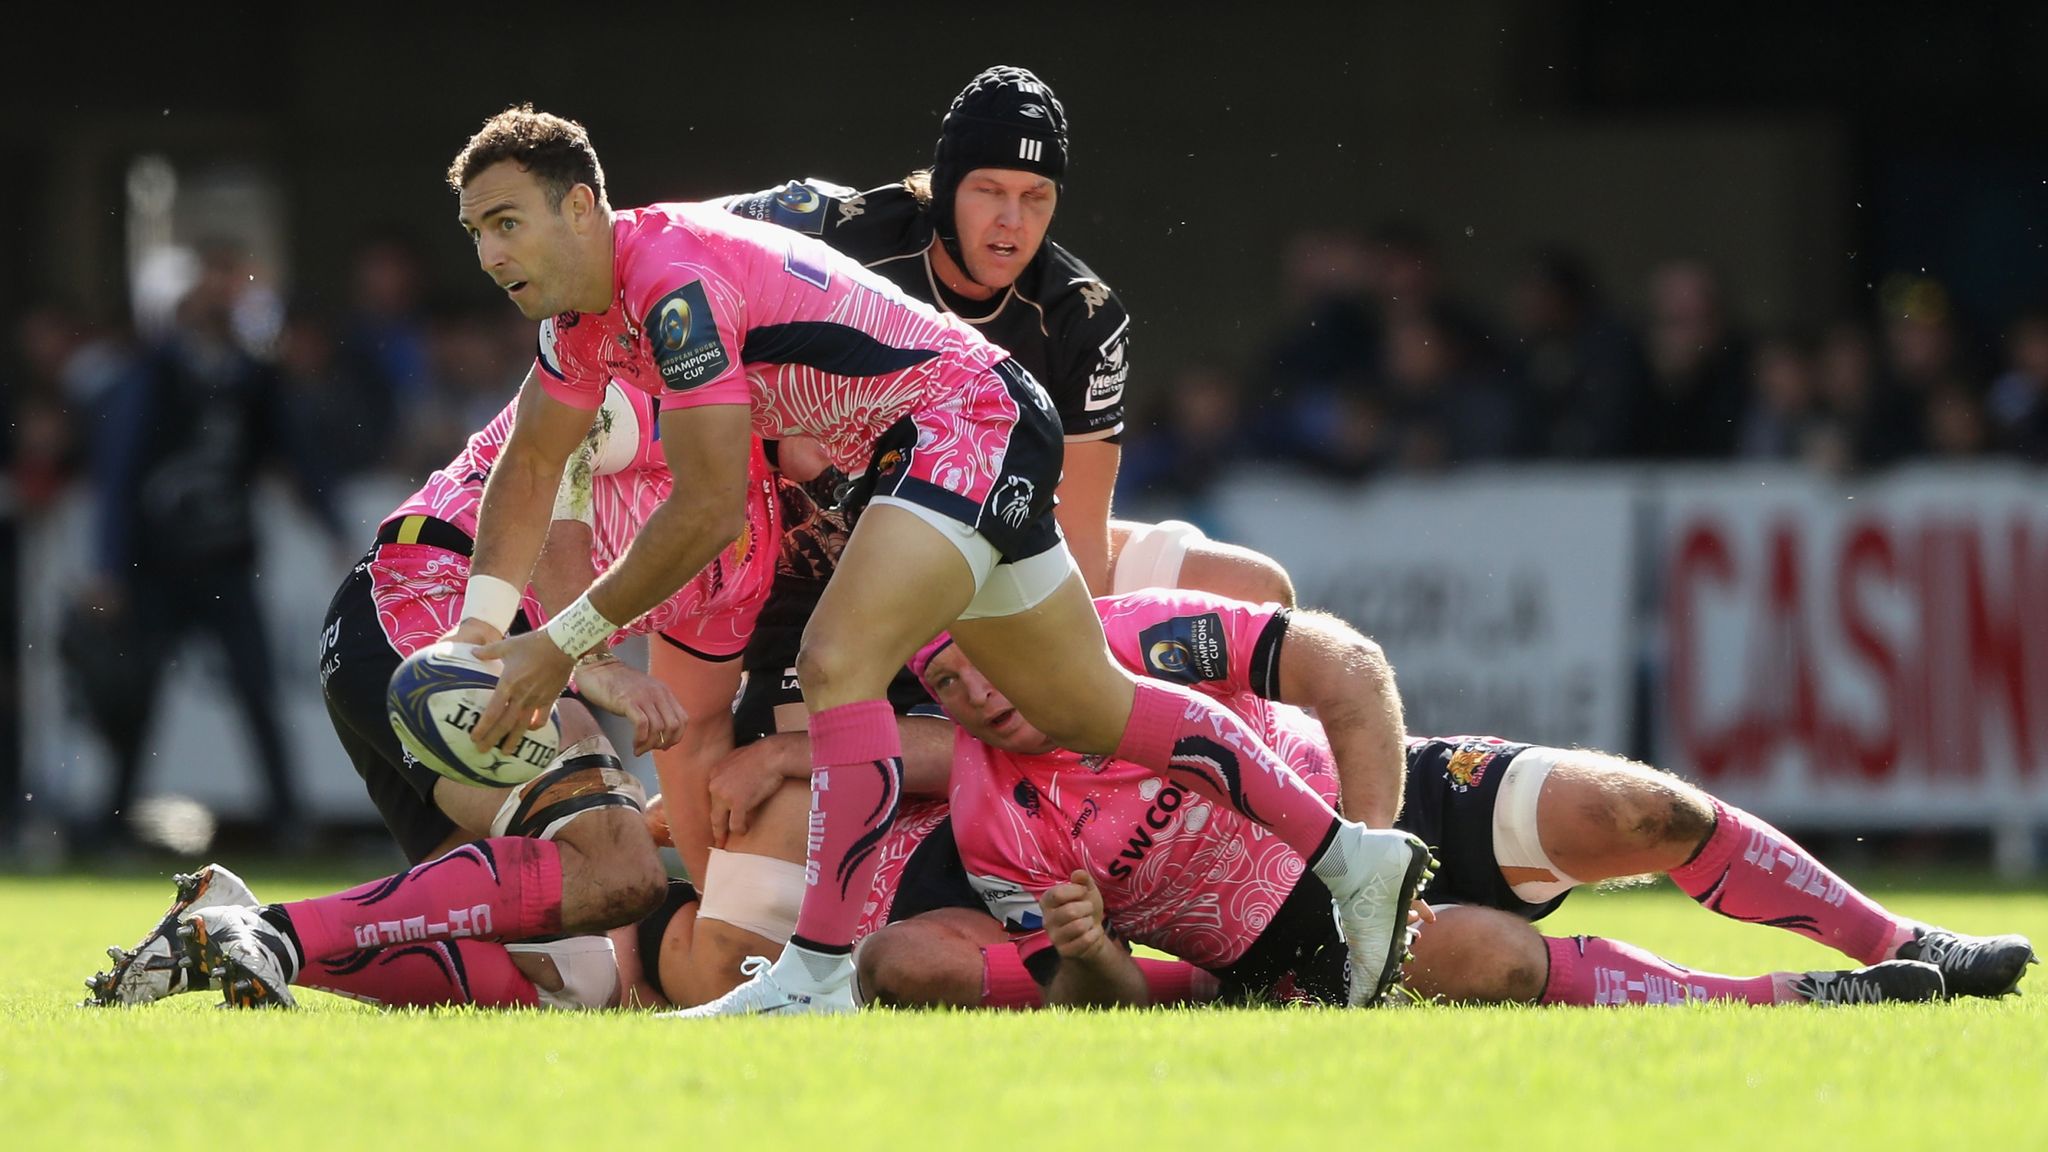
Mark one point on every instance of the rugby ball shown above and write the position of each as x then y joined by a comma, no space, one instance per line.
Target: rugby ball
437,696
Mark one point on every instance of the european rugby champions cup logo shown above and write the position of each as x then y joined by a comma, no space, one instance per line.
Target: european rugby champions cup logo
686,347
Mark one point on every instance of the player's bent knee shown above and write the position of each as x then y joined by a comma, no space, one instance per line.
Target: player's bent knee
1479,956
830,668
590,804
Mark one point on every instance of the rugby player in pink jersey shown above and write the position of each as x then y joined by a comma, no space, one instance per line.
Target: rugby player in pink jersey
743,328
564,853
1516,825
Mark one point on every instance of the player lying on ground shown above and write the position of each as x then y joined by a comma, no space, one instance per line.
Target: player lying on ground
566,852
1516,826
742,326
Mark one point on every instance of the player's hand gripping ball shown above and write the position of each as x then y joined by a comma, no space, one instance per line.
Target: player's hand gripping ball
437,696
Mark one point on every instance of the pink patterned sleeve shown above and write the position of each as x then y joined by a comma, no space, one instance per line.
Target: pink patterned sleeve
1196,638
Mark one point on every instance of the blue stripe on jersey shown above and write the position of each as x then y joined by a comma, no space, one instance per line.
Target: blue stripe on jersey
829,347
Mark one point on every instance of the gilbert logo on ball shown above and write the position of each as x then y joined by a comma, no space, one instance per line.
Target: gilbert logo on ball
437,696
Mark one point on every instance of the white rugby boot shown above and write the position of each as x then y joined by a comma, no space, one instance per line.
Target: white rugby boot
763,995
1374,875
156,968
246,958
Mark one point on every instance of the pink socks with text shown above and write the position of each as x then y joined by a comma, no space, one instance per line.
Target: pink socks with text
1750,871
507,888
1592,970
429,974
1192,740
856,784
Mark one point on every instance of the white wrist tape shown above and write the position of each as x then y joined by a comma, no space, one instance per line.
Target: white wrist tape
580,627
490,600
757,893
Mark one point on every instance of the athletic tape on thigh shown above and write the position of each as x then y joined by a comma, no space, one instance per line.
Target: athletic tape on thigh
1152,555
757,893
542,806
588,967
1517,842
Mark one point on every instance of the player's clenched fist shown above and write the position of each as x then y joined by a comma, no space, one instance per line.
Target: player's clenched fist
1073,917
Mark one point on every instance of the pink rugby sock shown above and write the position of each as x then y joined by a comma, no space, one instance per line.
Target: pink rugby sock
1592,970
429,974
505,888
1178,982
1750,871
856,784
1005,982
1192,740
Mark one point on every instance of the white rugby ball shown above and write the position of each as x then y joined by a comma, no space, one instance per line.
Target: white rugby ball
437,696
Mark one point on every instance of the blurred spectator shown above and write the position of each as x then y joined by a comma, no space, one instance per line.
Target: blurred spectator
384,340
326,398
1445,404
1193,443
1329,346
1698,368
477,364
68,364
1863,422
1956,425
1580,368
1784,408
2018,405
180,438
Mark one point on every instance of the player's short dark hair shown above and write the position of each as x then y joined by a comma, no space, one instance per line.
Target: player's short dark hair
556,151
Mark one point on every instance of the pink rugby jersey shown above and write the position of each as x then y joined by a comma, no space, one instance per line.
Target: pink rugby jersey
1176,872
718,309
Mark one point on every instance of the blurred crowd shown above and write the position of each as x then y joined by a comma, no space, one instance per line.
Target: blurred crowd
1382,368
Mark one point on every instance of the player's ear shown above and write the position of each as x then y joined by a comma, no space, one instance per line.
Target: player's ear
580,206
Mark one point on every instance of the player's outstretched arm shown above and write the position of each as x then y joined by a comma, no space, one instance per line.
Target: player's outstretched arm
1094,969
1330,667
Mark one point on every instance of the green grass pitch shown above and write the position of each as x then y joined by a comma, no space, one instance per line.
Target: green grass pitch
1962,1075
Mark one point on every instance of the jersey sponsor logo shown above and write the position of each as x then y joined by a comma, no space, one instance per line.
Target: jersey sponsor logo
1187,649
1094,293
1106,383
1026,796
1089,811
1016,908
687,350
1163,801
852,206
